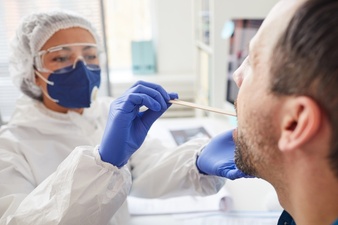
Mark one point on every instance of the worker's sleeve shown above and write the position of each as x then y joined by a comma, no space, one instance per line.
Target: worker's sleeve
161,172
83,190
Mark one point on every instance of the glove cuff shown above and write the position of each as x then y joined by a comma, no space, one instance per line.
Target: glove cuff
197,160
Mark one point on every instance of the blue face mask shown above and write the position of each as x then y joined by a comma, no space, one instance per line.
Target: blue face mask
76,88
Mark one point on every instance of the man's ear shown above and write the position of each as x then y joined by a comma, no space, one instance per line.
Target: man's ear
300,121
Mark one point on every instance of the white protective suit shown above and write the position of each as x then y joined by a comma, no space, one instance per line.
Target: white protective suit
51,171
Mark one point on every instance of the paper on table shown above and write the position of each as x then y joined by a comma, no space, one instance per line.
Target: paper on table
229,218
220,201
183,135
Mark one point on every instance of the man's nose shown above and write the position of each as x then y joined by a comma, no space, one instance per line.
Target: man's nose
237,76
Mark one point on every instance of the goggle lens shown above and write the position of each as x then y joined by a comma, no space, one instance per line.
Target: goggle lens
62,58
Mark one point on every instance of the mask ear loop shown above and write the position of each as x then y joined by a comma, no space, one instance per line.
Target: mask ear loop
49,83
44,79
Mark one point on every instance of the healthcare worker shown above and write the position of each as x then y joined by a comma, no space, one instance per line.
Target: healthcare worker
65,155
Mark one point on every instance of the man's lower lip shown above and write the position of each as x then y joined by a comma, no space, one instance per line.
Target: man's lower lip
234,133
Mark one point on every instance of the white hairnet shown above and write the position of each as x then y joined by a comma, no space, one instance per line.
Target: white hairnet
32,33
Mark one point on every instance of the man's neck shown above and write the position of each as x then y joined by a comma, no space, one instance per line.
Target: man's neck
311,198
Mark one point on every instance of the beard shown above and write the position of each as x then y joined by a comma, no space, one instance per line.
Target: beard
256,142
243,158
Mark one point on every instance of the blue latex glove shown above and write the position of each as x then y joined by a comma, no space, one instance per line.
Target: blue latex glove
126,127
217,158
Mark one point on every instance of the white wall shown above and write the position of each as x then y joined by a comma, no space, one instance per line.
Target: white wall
173,35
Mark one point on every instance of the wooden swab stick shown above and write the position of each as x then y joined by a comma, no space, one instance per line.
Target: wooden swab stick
207,108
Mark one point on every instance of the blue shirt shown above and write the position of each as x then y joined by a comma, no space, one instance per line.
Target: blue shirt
286,219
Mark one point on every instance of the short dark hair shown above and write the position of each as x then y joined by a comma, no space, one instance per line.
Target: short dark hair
305,62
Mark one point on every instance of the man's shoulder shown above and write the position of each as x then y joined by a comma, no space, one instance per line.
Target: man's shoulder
286,219
336,222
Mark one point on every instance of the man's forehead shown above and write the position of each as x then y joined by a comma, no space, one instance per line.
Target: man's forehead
274,26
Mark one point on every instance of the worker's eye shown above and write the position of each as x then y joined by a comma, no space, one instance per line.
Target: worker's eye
60,59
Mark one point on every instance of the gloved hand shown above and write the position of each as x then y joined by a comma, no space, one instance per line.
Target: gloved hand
217,158
126,127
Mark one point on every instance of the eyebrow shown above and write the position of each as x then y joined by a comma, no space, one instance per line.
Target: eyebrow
66,48
87,47
69,49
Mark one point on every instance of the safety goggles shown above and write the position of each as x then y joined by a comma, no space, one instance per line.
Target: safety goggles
62,58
